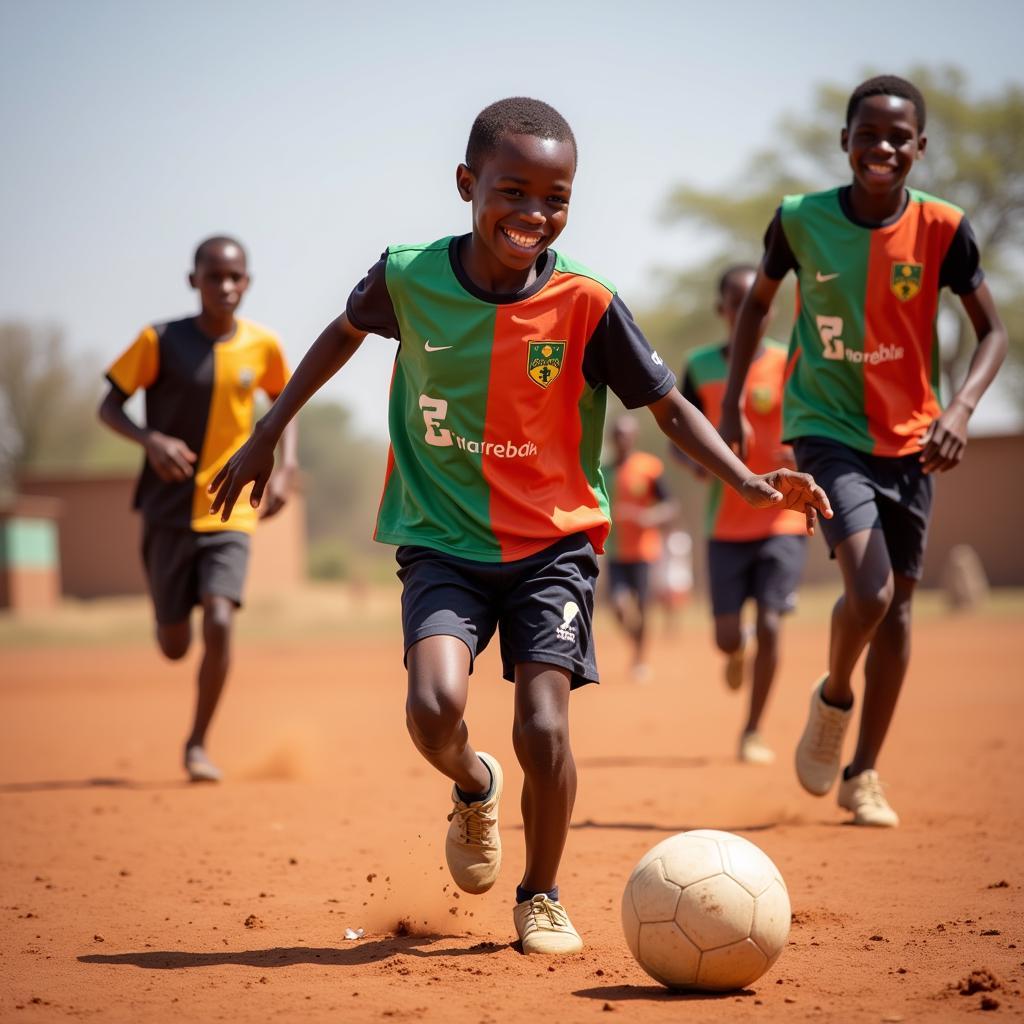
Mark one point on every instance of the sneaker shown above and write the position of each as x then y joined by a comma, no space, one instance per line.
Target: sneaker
754,750
199,767
736,662
863,795
473,846
543,926
820,747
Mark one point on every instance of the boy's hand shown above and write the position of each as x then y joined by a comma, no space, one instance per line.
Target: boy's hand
172,460
279,490
785,488
253,462
736,431
945,440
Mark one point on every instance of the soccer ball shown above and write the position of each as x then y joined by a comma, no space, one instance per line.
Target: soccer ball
705,910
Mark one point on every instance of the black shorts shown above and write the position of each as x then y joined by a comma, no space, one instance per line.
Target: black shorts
872,492
767,570
632,576
542,605
183,565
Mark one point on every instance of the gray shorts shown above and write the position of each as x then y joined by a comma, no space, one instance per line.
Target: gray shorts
541,605
182,566
633,577
767,570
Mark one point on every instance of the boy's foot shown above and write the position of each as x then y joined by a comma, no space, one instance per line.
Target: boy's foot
641,672
736,662
863,795
473,846
199,767
543,926
754,750
820,747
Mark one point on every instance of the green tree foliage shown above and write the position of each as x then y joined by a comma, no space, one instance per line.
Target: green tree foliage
975,158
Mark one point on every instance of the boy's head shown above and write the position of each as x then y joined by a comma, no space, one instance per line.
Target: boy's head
220,274
520,163
733,286
884,132
625,430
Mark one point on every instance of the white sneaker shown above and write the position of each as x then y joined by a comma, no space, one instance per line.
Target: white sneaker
863,795
199,767
543,926
820,748
473,846
754,750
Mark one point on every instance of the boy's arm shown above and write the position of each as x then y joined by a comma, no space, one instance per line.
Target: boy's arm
282,480
946,437
684,426
254,461
172,460
751,323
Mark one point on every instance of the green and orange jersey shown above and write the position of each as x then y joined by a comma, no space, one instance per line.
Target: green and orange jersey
497,402
200,391
728,516
863,357
636,484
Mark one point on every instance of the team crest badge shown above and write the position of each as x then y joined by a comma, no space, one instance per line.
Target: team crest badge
906,280
246,377
544,361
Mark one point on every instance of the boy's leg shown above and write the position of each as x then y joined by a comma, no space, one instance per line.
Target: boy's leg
730,578
174,638
766,660
218,618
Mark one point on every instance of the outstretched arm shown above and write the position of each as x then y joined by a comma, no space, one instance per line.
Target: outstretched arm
684,426
946,437
254,461
751,323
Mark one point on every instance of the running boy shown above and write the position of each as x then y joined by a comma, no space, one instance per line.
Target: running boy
861,406
640,509
755,555
493,490
200,375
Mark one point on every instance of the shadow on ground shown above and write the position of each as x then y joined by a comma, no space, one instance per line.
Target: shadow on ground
99,782
655,994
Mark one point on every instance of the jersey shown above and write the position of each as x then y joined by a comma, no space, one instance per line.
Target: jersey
497,401
200,391
636,481
863,358
728,516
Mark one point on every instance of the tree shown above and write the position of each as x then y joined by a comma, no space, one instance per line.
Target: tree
975,158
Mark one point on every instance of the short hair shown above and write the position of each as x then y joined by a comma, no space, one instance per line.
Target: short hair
203,248
732,271
517,115
887,85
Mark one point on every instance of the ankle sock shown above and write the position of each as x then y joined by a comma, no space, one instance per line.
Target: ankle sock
832,704
475,798
525,895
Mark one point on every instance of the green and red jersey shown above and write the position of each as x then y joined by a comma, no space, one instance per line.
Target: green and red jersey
728,516
497,402
863,356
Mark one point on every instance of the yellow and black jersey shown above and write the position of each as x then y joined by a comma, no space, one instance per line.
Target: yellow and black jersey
201,391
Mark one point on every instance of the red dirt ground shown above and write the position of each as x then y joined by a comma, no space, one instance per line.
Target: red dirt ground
126,895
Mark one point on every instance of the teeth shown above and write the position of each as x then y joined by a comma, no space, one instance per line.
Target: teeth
879,168
520,239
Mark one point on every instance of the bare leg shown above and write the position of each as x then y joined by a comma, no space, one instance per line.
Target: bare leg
218,618
541,739
174,638
728,633
765,662
436,702
884,672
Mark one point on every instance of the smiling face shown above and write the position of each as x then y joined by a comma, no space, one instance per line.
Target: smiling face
882,142
520,196
221,278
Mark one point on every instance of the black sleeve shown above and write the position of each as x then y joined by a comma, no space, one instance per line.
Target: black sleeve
690,392
961,266
619,356
778,257
369,307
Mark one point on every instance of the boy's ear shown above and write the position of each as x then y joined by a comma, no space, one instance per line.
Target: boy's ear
192,279
844,140
465,179
922,144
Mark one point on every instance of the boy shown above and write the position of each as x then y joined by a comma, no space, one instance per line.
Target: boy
200,375
493,490
640,508
861,406
750,555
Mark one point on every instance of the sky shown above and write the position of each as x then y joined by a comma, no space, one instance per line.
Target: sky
320,132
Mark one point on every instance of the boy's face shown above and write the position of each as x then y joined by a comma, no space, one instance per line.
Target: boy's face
624,435
883,142
221,278
735,291
520,196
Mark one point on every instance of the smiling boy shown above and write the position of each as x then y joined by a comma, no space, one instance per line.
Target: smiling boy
493,491
861,405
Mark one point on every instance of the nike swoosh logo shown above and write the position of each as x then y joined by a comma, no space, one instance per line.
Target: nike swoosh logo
822,278
427,347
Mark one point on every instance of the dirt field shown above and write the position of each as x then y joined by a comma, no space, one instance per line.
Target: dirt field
126,895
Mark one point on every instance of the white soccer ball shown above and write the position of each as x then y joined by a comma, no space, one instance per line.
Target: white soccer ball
705,910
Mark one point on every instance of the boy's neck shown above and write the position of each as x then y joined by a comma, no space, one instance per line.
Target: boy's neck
216,325
877,209
491,276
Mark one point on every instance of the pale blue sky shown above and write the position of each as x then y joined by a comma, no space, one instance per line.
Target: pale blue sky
321,132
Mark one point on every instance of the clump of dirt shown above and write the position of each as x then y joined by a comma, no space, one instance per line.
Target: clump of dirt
981,980
252,921
1001,884
989,1003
